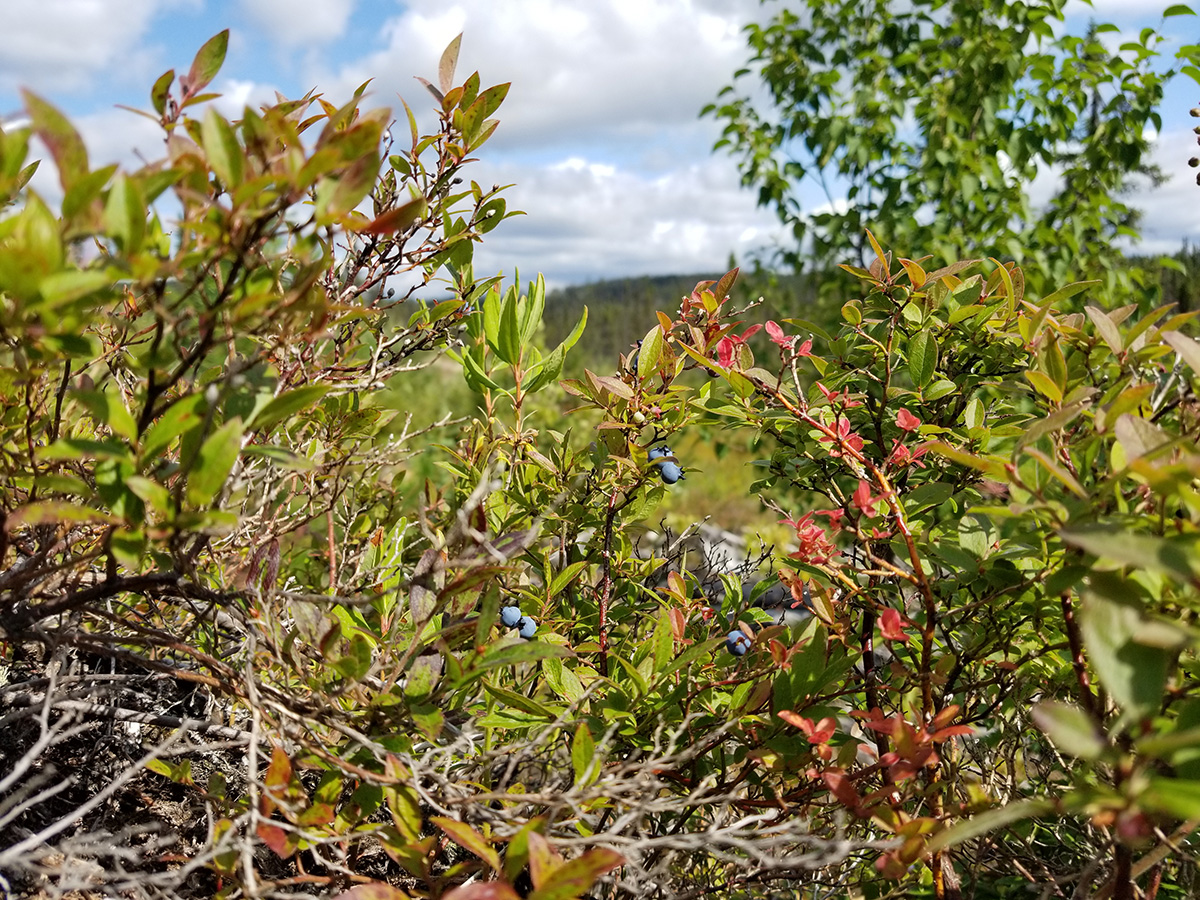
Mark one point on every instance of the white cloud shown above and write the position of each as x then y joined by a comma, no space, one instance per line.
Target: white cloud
586,222
597,74
298,22
62,45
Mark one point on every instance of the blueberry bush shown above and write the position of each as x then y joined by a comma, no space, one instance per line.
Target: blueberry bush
247,652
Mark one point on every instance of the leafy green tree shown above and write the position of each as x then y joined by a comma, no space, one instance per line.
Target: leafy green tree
934,118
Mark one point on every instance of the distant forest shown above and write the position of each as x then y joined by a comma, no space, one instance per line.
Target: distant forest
621,310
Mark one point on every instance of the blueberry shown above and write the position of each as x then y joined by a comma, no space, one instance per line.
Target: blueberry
656,452
669,472
526,627
510,616
737,643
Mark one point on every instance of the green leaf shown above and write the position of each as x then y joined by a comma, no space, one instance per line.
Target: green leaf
286,405
1175,796
108,409
208,62
222,149
214,462
508,336
73,284
565,577
1177,557
158,93
583,756
523,703
1134,673
922,358
181,417
988,821
650,352
357,662
526,651
1070,728
1179,9
125,213
1044,385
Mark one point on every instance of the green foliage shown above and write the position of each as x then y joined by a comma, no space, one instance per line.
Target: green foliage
211,472
938,116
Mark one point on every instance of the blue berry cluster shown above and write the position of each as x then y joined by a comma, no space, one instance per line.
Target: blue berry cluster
668,469
512,617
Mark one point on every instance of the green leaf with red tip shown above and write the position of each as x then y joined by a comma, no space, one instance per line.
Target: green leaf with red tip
60,137
207,63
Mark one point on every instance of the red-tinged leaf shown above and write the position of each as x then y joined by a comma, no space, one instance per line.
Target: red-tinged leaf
677,585
374,890
945,715
398,219
952,269
944,734
208,62
794,718
469,839
544,860
678,623
610,384
1106,328
725,283
483,890
842,788
279,772
433,90
317,814
60,137
448,63
575,878
282,843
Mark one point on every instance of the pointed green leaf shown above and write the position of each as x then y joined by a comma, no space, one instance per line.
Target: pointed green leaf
221,146
214,462
583,753
650,352
208,62
287,405
922,358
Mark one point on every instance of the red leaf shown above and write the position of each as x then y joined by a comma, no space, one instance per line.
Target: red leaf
842,788
372,890
907,420
483,890
282,843
891,625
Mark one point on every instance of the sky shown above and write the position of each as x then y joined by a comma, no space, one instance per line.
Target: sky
600,135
